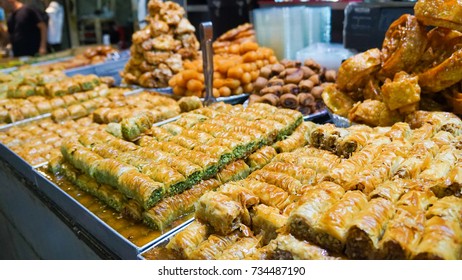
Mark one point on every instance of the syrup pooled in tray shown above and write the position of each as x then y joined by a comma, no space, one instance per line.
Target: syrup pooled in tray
137,232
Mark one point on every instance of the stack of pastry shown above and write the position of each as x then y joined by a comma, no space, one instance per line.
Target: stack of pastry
236,36
159,49
293,85
417,68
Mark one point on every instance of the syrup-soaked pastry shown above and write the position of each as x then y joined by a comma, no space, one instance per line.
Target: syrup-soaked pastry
187,240
452,185
299,138
215,244
160,133
261,157
441,237
404,44
441,165
266,221
281,180
112,172
268,194
418,159
319,160
331,229
379,169
220,211
287,247
172,208
355,71
311,207
355,140
234,171
304,175
367,228
241,249
406,228
441,121
341,173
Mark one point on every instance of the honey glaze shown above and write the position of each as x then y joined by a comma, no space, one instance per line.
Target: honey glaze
134,231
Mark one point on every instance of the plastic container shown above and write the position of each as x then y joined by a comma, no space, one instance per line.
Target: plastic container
329,56
289,29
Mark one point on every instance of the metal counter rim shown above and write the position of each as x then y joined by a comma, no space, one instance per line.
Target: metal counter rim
165,237
25,121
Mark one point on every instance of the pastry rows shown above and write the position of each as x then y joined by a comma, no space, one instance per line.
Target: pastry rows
168,209
17,109
197,148
395,196
39,142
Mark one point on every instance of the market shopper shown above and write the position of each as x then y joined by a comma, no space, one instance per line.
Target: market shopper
26,27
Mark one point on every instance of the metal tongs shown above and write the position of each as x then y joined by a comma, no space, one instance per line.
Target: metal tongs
206,33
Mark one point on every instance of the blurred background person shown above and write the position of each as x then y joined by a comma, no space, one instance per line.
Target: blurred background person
55,11
26,27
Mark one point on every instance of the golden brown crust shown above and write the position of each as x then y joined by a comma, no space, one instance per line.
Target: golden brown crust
441,13
355,71
403,46
373,113
444,75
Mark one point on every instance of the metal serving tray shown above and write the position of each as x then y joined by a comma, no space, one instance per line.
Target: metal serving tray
319,117
99,231
56,60
84,222
8,70
339,121
109,68
167,90
233,99
25,121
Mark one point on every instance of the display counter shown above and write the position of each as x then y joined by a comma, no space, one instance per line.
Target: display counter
34,227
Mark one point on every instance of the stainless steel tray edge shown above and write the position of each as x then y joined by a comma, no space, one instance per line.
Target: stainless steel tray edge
166,236
233,99
315,116
103,233
339,121
25,121
133,91
163,239
22,166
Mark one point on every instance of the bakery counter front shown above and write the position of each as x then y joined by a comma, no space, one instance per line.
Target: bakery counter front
33,227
